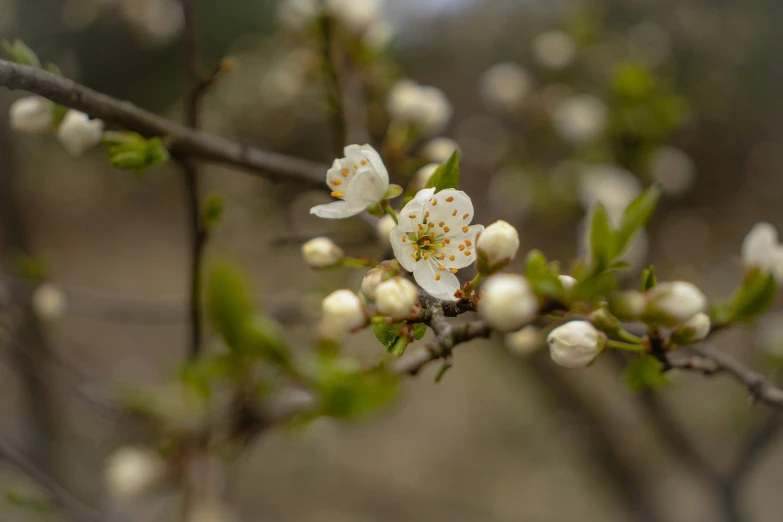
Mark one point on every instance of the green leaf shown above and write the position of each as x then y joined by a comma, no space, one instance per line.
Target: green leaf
387,334
446,175
648,279
213,211
645,372
601,240
754,297
29,501
595,287
544,281
636,216
52,68
419,329
18,52
346,391
228,302
128,160
263,337
393,191
157,153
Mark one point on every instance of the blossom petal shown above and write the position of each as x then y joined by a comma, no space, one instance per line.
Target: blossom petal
443,288
336,210
402,251
334,174
466,256
415,207
451,206
759,245
375,160
365,189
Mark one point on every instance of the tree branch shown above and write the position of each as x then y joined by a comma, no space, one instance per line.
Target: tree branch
180,139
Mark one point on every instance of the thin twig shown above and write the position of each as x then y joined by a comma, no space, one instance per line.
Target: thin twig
181,140
333,91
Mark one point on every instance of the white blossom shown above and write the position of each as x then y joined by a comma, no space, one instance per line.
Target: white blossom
343,312
507,302
359,180
434,239
130,472
580,119
321,252
673,170
575,344
499,243
396,297
77,132
355,14
761,249
372,279
567,281
384,227
427,108
49,301
32,115
673,303
695,329
155,22
524,341
439,150
505,86
554,49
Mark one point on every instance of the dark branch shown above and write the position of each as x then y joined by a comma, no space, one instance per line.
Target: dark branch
182,140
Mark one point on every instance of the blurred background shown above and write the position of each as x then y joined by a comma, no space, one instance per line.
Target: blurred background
556,105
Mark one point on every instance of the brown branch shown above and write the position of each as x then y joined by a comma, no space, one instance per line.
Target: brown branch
333,91
182,141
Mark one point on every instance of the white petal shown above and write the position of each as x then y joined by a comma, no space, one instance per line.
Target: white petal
415,207
759,245
453,212
335,173
424,274
460,259
335,210
375,160
365,189
402,251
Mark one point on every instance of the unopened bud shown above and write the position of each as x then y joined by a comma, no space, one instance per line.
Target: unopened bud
673,303
439,150
568,282
575,344
372,279
32,115
343,312
49,301
396,297
628,306
695,329
321,252
497,245
507,302
384,228
77,132
130,472
422,176
525,341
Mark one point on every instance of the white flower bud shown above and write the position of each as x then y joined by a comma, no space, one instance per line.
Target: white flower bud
321,252
396,297
422,176
439,150
355,15
567,281
343,312
575,344
32,115
77,132
673,303
580,119
761,249
424,107
505,86
372,279
384,228
554,49
130,472
673,170
695,329
525,341
498,244
507,302
49,301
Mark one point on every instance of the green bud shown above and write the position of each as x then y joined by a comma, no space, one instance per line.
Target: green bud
125,138
157,154
605,321
18,52
128,160
213,211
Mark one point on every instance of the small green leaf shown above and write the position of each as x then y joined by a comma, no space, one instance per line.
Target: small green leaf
128,160
544,281
636,216
446,176
18,52
157,153
263,337
346,391
595,287
645,372
754,297
601,240
648,279
387,334
122,138
52,68
392,192
213,211
419,329
228,302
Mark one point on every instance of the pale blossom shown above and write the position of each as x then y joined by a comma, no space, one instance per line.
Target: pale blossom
426,108
32,115
580,119
615,188
567,282
372,279
130,472
761,249
554,49
396,297
77,132
575,344
359,180
354,14
422,176
321,252
434,239
504,86
524,341
49,301
673,303
155,22
695,329
499,243
343,312
507,302
439,150
673,170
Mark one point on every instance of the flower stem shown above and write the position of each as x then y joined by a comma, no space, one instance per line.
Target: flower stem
389,210
628,347
357,262
476,280
628,336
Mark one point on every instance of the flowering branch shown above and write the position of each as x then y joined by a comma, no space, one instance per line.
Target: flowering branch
181,140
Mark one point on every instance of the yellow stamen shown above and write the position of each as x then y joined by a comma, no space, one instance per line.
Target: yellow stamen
427,214
467,252
441,267
447,240
454,213
425,242
337,194
465,216
415,247
364,162
442,257
404,239
461,247
450,199
420,226
437,277
412,216
336,182
414,256
426,256
452,257
446,229
441,223
431,224
465,228
434,202
345,173
468,242
454,270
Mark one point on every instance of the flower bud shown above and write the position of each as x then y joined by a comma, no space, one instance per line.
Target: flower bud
77,132
628,306
568,282
497,246
507,302
504,86
524,341
384,228
343,311
49,301
32,115
673,303
423,176
321,252
372,279
426,108
575,344
396,297
130,472
695,329
439,150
